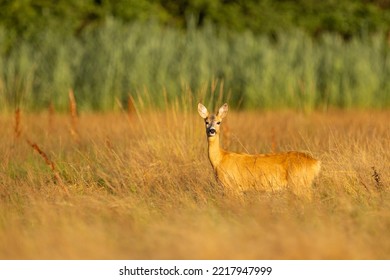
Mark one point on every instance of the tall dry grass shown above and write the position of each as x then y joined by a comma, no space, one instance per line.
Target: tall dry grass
142,188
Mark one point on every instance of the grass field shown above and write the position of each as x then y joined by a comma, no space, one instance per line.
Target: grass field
141,187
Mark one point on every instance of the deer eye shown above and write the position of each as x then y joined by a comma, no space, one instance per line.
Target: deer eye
207,122
218,123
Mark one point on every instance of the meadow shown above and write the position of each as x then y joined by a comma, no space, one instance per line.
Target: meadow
138,185
125,175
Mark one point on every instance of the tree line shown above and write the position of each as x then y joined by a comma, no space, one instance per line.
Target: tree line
348,18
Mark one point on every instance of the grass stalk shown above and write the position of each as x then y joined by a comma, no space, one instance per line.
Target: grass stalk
73,116
49,163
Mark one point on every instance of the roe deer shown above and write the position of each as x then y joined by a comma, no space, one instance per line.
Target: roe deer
268,172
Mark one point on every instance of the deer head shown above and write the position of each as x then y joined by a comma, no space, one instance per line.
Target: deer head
212,121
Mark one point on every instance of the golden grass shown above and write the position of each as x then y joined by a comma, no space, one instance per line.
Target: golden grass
143,188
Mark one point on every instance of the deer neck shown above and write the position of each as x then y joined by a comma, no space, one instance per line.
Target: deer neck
215,152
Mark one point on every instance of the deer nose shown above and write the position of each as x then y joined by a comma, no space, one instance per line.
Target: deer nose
212,131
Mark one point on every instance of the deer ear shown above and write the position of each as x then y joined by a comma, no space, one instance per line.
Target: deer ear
202,110
222,112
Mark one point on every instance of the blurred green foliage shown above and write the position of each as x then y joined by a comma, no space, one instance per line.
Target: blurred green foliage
304,54
346,17
161,64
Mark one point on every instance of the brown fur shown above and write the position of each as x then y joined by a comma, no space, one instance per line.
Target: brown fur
267,172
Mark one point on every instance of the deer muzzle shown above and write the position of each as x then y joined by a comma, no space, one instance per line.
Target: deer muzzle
211,132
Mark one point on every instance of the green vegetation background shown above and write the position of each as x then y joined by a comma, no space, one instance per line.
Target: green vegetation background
302,54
